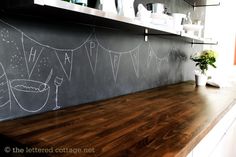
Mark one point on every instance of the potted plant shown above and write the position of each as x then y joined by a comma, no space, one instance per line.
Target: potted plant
203,60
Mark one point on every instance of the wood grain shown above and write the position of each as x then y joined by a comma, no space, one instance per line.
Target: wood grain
162,122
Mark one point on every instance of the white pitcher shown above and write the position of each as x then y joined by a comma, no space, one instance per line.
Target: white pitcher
107,6
126,8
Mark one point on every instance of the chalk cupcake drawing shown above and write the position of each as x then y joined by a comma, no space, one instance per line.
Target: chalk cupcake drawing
4,88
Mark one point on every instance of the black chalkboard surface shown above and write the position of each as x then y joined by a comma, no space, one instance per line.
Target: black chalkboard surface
47,65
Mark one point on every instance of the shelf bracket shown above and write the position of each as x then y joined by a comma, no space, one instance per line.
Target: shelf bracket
146,34
39,2
192,44
195,4
208,5
205,43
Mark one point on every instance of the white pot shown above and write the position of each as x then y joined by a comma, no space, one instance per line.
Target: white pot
200,79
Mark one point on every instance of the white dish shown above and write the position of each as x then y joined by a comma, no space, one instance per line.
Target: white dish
192,27
162,19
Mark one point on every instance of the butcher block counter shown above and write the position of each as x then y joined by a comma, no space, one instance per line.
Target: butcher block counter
167,121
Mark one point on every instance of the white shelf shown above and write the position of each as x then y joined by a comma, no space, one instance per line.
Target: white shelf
98,13
198,40
203,3
58,8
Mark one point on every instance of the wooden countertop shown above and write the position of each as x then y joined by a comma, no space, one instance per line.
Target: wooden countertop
162,122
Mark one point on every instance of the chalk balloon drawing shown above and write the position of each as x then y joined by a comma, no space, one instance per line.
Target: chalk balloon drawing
27,91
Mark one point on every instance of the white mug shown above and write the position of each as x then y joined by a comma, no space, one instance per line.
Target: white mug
128,8
158,8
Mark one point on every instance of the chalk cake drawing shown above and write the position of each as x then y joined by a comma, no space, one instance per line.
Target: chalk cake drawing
32,52
24,90
66,61
135,60
115,63
57,82
5,96
92,52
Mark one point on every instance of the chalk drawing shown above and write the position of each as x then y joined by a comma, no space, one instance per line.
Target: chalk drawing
29,56
158,65
115,58
32,52
115,63
17,64
49,77
24,90
66,61
92,52
33,49
44,45
120,52
43,63
159,60
5,96
149,59
155,54
57,82
162,63
150,56
135,60
5,35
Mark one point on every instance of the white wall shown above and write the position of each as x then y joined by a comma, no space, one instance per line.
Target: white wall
220,24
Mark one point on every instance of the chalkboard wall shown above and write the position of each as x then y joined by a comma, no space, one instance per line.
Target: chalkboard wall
46,65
